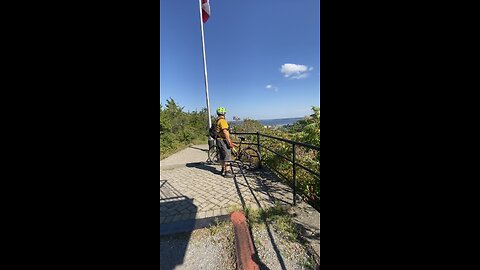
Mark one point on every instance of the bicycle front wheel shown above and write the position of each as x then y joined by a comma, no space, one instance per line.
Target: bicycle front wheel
250,158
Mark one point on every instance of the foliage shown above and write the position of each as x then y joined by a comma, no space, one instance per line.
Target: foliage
179,129
307,131
250,126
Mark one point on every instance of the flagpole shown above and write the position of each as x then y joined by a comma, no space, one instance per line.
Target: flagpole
205,69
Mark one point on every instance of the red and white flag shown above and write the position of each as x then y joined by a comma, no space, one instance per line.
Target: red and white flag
205,10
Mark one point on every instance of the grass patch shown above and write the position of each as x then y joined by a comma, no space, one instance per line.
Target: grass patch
276,226
308,263
233,208
218,226
278,217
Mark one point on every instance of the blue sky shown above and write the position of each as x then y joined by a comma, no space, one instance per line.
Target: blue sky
263,56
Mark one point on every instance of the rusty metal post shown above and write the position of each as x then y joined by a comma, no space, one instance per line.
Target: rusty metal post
244,248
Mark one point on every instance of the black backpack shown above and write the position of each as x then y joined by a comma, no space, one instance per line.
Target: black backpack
213,130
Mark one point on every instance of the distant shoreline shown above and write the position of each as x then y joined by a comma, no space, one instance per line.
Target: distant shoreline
278,118
273,122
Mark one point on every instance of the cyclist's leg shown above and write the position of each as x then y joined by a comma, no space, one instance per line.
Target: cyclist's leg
225,156
228,159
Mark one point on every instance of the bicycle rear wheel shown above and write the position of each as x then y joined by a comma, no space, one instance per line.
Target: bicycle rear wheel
250,158
213,155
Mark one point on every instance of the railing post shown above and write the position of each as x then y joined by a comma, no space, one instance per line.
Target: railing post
259,149
294,178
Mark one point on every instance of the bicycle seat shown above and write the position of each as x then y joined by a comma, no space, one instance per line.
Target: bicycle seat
241,138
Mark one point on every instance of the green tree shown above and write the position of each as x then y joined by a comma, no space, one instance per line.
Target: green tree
308,129
179,128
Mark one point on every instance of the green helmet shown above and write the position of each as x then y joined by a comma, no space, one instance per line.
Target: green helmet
221,110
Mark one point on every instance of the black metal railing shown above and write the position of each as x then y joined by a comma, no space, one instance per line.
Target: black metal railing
293,160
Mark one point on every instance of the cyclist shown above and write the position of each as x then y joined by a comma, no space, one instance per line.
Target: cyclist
224,142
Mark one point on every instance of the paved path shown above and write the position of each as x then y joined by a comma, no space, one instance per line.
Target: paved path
193,193
192,189
194,153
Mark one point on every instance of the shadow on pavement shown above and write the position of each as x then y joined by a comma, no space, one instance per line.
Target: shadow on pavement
203,166
204,150
174,234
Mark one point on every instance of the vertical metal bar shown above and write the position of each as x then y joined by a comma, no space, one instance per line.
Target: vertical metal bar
294,177
259,148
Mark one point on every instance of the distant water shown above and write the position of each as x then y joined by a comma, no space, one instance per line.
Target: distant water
273,122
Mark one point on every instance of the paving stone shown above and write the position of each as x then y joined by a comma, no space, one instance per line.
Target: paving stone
200,198
209,213
186,217
185,211
176,218
168,219
200,215
209,207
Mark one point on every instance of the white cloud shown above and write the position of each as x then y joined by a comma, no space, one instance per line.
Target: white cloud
295,71
272,87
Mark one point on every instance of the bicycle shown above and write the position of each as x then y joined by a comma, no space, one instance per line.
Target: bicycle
248,156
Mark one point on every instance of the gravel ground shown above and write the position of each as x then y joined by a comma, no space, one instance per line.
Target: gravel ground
276,251
214,248
211,248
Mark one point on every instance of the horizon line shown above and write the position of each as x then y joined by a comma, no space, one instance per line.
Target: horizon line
273,118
